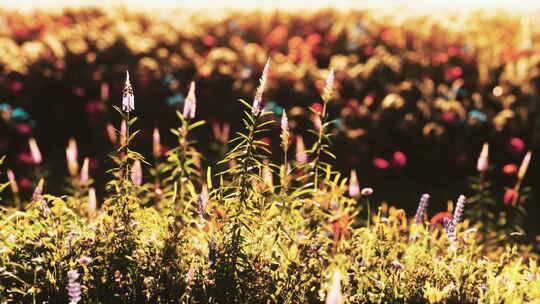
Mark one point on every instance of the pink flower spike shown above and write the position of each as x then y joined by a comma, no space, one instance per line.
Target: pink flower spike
92,200
136,173
12,181
524,165
190,103
38,190
128,99
301,155
111,133
84,172
256,107
483,162
284,123
354,186
123,133
72,157
329,87
156,143
334,296
34,150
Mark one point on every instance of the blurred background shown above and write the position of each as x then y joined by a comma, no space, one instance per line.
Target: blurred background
420,85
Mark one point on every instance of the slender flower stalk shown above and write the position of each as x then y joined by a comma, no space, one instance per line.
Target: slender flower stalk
156,143
458,213
329,87
318,148
14,187
190,103
136,173
513,195
334,295
285,142
483,162
123,133
34,151
111,134
74,287
354,185
267,174
422,208
256,107
92,200
84,176
71,157
301,155
38,191
450,229
128,99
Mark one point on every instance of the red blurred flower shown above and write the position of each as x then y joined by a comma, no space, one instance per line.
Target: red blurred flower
24,128
25,158
510,169
381,163
439,58
209,40
448,116
266,140
438,218
453,73
399,159
317,107
517,145
25,183
510,196
17,86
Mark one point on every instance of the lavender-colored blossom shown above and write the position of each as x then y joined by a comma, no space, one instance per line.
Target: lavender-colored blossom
450,229
190,103
422,208
34,151
128,99
354,185
85,260
84,171
458,213
74,287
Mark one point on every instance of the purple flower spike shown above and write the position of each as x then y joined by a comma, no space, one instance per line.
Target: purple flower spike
422,208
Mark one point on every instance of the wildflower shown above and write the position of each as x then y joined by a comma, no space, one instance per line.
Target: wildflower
381,163
366,191
128,100
111,133
328,88
354,185
85,260
267,175
74,287
190,103
202,201
334,296
422,208
92,200
83,179
459,210
301,155
399,159
510,196
38,190
104,91
524,165
510,169
12,181
123,133
221,133
71,157
34,151
397,264
136,173
256,107
482,164
156,143
517,145
450,228
285,135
